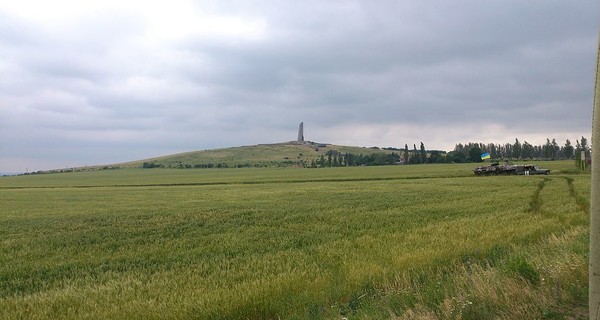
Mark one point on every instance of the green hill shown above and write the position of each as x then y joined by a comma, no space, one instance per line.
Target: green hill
261,155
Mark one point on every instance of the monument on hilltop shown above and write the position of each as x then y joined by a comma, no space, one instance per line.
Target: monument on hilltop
301,133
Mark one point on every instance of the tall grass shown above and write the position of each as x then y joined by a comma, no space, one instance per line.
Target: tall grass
259,244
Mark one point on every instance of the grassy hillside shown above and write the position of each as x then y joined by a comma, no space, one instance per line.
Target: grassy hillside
396,242
262,155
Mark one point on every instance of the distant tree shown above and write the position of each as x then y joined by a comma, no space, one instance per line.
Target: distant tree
508,151
322,161
527,150
459,154
150,165
555,150
547,149
361,160
414,155
516,152
406,153
423,153
475,154
377,159
568,150
435,157
336,160
493,150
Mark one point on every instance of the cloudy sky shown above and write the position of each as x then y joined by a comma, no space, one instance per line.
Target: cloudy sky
97,82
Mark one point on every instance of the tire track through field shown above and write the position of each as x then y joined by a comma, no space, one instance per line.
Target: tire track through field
582,203
536,201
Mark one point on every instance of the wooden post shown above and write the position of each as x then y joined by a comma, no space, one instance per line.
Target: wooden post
594,271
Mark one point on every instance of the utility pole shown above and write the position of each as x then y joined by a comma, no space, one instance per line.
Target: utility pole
594,271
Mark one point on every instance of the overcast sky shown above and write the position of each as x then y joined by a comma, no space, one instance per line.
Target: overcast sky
98,82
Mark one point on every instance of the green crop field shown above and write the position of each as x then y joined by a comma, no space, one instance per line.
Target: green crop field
394,242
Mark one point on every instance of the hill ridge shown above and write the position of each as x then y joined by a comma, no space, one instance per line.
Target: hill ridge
280,154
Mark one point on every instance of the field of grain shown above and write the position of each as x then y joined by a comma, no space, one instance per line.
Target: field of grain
397,242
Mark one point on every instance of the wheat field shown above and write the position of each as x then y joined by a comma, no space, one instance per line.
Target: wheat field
397,242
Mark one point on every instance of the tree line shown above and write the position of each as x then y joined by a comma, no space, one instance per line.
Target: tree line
462,153
551,150
334,158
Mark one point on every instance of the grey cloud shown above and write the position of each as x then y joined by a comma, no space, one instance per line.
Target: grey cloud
389,64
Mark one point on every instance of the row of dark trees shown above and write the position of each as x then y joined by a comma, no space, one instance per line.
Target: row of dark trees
422,155
471,152
333,158
551,150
